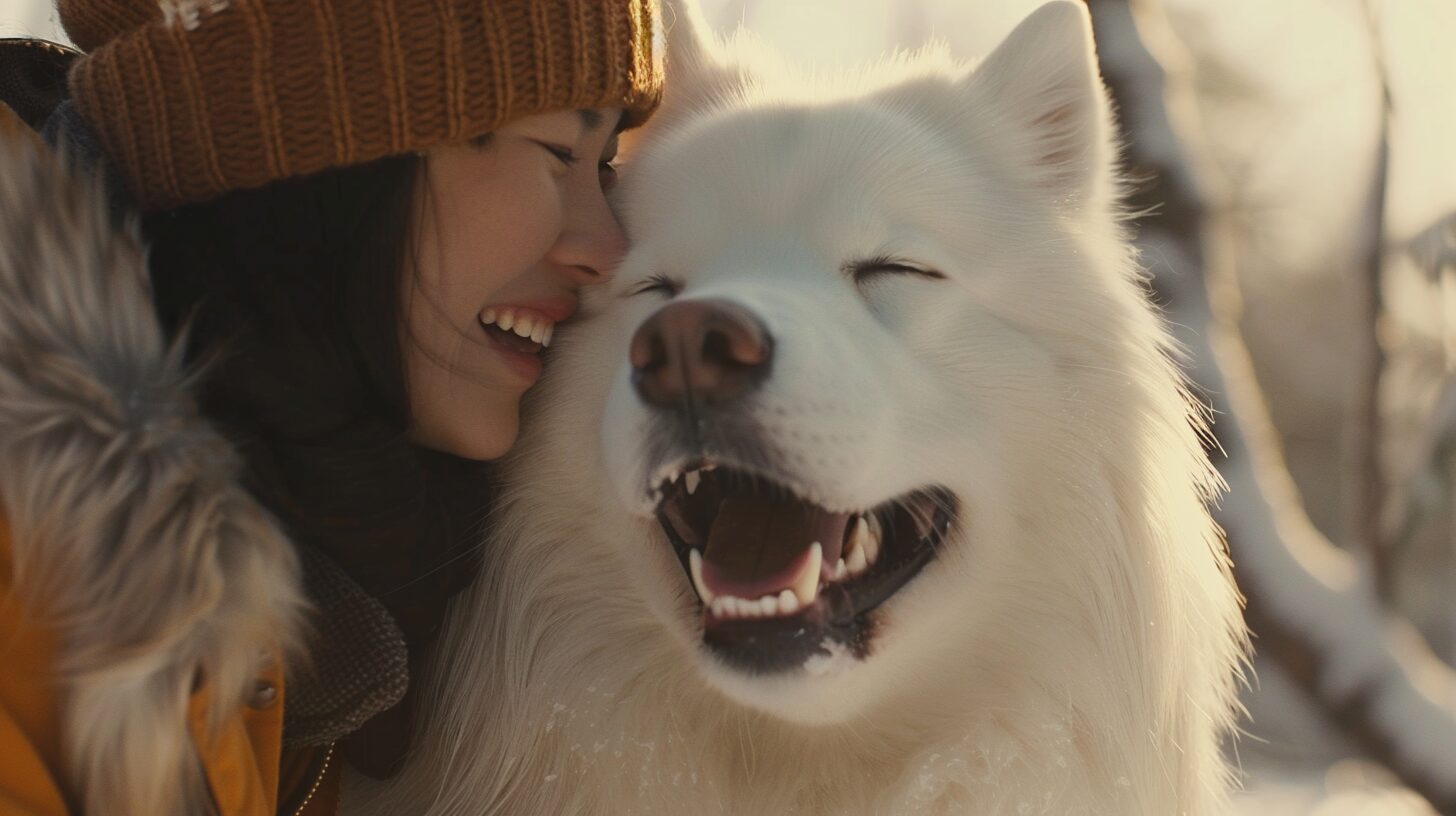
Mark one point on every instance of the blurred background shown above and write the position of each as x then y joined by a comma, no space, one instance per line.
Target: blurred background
1295,162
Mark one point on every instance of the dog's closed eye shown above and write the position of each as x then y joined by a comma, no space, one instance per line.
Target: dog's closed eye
862,270
656,282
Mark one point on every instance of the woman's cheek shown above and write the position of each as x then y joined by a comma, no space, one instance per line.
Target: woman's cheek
544,213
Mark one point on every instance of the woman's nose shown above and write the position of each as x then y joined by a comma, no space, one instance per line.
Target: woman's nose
592,242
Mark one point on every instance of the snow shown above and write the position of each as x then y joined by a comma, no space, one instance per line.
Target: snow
1349,788
30,18
1257,128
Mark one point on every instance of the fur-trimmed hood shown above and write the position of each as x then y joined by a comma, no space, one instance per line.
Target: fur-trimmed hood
131,534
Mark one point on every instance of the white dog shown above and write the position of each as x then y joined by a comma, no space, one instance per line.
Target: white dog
866,486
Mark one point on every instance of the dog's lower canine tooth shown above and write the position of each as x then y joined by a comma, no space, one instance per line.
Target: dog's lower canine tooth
859,534
692,480
857,551
807,586
695,563
871,541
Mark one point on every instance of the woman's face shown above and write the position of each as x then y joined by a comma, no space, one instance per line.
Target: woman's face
507,231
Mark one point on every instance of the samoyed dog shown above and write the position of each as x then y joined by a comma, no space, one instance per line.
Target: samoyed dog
866,486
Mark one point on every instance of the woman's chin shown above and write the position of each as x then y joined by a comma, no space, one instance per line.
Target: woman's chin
471,432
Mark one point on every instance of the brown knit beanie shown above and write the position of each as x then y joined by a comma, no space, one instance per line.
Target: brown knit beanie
193,98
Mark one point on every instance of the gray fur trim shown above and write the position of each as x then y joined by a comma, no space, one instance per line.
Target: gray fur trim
66,130
153,564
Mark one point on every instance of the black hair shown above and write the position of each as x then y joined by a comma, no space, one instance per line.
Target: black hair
290,296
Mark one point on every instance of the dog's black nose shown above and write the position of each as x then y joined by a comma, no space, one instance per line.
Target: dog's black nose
699,353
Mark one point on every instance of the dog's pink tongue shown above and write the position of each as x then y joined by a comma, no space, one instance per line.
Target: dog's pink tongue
759,545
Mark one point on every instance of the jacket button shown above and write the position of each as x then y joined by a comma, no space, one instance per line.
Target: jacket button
264,694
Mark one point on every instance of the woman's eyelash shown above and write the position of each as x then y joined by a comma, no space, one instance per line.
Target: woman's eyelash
565,155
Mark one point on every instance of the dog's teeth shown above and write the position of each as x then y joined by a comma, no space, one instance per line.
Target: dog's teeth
856,551
506,320
788,602
695,563
768,606
871,543
525,324
487,317
538,332
807,585
692,480
546,335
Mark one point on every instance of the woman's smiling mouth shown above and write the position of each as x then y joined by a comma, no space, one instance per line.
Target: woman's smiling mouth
519,333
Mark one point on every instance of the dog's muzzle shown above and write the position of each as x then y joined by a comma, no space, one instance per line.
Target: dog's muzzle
779,577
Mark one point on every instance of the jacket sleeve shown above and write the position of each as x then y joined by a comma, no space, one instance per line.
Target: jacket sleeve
29,707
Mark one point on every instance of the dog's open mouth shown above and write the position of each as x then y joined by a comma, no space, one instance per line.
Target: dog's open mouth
780,577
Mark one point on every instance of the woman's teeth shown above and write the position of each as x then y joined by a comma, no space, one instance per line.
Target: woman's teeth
527,324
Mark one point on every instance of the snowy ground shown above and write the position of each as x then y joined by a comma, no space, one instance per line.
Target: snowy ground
1347,788
1295,765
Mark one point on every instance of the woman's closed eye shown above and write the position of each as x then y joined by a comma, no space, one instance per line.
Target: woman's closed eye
606,170
562,154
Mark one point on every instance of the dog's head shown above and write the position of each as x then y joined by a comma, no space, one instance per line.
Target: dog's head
865,339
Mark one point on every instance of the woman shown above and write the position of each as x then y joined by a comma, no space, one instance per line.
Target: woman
363,220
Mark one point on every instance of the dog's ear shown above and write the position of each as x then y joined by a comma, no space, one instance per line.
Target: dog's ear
694,67
1042,83
692,64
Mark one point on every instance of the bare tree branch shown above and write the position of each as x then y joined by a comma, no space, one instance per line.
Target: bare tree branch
1365,484
1314,607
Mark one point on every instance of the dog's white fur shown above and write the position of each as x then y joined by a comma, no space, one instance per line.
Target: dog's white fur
1075,646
